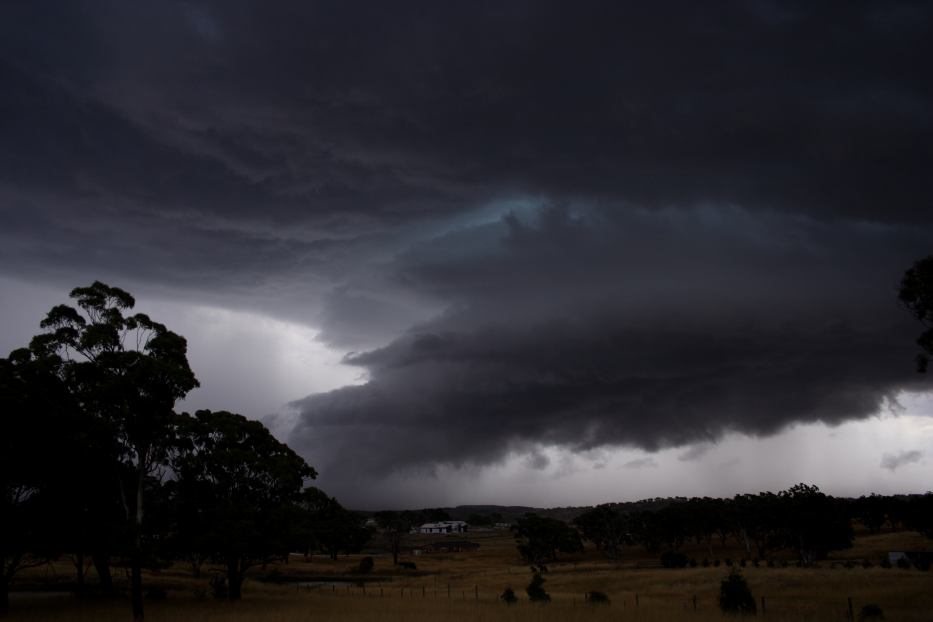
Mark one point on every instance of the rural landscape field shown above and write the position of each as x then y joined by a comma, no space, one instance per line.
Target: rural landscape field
468,586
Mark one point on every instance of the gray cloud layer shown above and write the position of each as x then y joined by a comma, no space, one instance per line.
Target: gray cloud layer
892,462
536,222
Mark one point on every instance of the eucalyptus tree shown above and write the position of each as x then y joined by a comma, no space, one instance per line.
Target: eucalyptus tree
330,527
244,484
125,372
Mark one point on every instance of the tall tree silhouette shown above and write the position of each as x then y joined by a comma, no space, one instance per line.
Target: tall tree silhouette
246,486
126,372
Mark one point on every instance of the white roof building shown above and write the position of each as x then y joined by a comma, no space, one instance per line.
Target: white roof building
447,526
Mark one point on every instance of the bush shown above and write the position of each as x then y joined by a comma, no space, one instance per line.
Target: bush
870,613
742,562
735,597
705,563
673,559
770,563
903,563
536,591
866,563
597,598
219,587
729,562
885,562
508,596
408,565
366,565
716,563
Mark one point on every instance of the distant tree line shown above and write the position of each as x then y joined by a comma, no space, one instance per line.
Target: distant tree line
96,464
801,519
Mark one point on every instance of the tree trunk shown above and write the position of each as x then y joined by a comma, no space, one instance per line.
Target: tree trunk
4,597
136,576
234,580
79,578
102,565
136,588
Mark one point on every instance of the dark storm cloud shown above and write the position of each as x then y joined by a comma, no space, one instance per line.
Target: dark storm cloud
585,329
584,224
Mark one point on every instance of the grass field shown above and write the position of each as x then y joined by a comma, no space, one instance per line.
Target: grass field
474,580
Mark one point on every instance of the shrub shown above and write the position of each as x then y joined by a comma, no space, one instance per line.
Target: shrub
408,565
729,562
770,563
693,562
885,562
716,563
366,565
870,613
866,563
508,596
673,559
219,587
536,591
597,598
903,563
735,597
705,563
742,562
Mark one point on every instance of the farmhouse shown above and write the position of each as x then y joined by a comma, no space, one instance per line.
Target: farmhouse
447,526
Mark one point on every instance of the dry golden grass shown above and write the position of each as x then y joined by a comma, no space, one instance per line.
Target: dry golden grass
475,579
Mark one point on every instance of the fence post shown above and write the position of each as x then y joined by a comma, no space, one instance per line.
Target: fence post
422,592
636,599
476,590
764,609
695,603
851,613
380,592
448,591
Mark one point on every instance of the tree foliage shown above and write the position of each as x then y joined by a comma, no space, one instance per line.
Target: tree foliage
125,372
540,538
245,485
329,527
916,293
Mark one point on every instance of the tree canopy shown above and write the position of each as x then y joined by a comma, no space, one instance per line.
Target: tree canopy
916,292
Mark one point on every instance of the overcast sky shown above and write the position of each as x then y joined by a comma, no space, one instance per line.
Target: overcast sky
529,252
